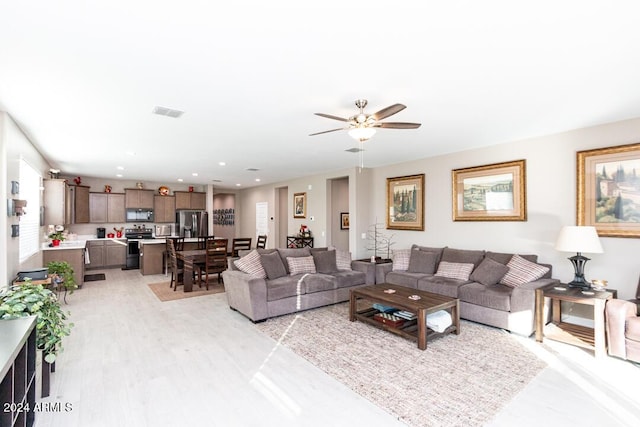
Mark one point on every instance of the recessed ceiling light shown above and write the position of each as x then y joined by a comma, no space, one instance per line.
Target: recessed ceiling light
238,185
180,179
120,168
169,112
119,175
222,163
257,179
195,174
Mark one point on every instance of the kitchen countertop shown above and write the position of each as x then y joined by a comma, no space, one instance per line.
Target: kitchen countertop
81,241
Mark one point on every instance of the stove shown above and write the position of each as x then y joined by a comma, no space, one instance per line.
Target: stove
134,235
139,233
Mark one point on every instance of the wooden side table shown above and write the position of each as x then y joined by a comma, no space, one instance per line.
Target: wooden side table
591,338
299,242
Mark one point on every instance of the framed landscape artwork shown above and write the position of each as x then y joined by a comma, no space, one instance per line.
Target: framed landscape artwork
609,190
405,203
300,205
344,220
495,192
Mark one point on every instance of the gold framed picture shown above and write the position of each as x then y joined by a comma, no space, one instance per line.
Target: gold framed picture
609,190
495,192
300,205
405,203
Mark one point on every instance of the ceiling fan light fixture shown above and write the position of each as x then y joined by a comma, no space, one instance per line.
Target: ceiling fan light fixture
362,133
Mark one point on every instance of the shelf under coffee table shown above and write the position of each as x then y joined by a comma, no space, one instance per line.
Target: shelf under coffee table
417,329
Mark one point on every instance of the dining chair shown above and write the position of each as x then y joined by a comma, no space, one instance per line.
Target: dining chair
262,242
177,273
178,245
215,261
202,241
239,244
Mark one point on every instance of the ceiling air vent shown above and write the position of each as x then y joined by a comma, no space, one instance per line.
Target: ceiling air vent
164,111
253,169
354,150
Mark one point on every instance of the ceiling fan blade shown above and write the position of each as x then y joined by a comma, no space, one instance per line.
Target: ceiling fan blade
398,125
329,116
389,111
326,131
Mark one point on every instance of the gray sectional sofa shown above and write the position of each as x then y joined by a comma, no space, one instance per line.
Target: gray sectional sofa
282,291
483,298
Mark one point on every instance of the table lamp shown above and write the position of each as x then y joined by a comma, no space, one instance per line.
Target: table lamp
579,239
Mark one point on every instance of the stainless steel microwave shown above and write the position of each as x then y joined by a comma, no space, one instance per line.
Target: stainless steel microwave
139,215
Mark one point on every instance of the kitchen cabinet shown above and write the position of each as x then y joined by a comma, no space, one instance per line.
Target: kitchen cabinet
138,199
151,257
164,208
65,204
106,207
75,258
107,253
191,200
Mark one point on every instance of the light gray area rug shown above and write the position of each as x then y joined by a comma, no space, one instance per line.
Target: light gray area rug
459,380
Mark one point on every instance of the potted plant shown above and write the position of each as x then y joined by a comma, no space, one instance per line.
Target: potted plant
26,299
56,237
63,273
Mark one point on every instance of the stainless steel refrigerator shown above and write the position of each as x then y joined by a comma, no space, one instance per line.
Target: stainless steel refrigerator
192,223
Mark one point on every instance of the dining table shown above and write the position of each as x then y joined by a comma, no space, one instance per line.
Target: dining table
189,258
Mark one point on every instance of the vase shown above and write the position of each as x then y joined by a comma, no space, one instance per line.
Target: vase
55,242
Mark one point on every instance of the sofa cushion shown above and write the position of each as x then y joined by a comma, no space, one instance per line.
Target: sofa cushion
522,271
290,253
405,278
454,270
489,272
504,258
423,262
632,331
317,283
273,266
283,287
301,265
497,297
441,285
437,251
462,256
347,278
325,261
251,265
343,260
400,259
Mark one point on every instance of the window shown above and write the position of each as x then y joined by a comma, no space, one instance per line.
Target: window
29,223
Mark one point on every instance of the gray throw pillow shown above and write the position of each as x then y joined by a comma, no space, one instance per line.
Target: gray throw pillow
489,272
423,262
273,266
325,261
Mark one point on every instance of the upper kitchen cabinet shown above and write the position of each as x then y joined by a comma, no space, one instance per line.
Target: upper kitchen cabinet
65,204
106,207
190,200
138,199
164,208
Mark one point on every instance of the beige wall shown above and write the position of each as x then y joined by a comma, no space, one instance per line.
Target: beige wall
14,146
551,200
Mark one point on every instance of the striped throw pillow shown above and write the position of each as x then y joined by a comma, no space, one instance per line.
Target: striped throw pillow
302,264
454,270
401,259
343,260
522,271
251,265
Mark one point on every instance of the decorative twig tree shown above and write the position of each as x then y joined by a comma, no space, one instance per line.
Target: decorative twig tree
379,240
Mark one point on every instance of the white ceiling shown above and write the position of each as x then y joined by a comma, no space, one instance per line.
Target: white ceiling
81,79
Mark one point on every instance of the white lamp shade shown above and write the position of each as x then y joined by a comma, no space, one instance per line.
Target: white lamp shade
575,238
362,133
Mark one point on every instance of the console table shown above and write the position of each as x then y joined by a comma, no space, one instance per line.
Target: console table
591,338
18,374
299,242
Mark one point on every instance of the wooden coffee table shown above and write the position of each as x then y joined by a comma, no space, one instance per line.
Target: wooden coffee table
417,329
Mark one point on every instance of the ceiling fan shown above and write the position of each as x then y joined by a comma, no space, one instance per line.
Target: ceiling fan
363,126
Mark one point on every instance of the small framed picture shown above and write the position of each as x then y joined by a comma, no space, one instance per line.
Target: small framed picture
300,205
344,220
